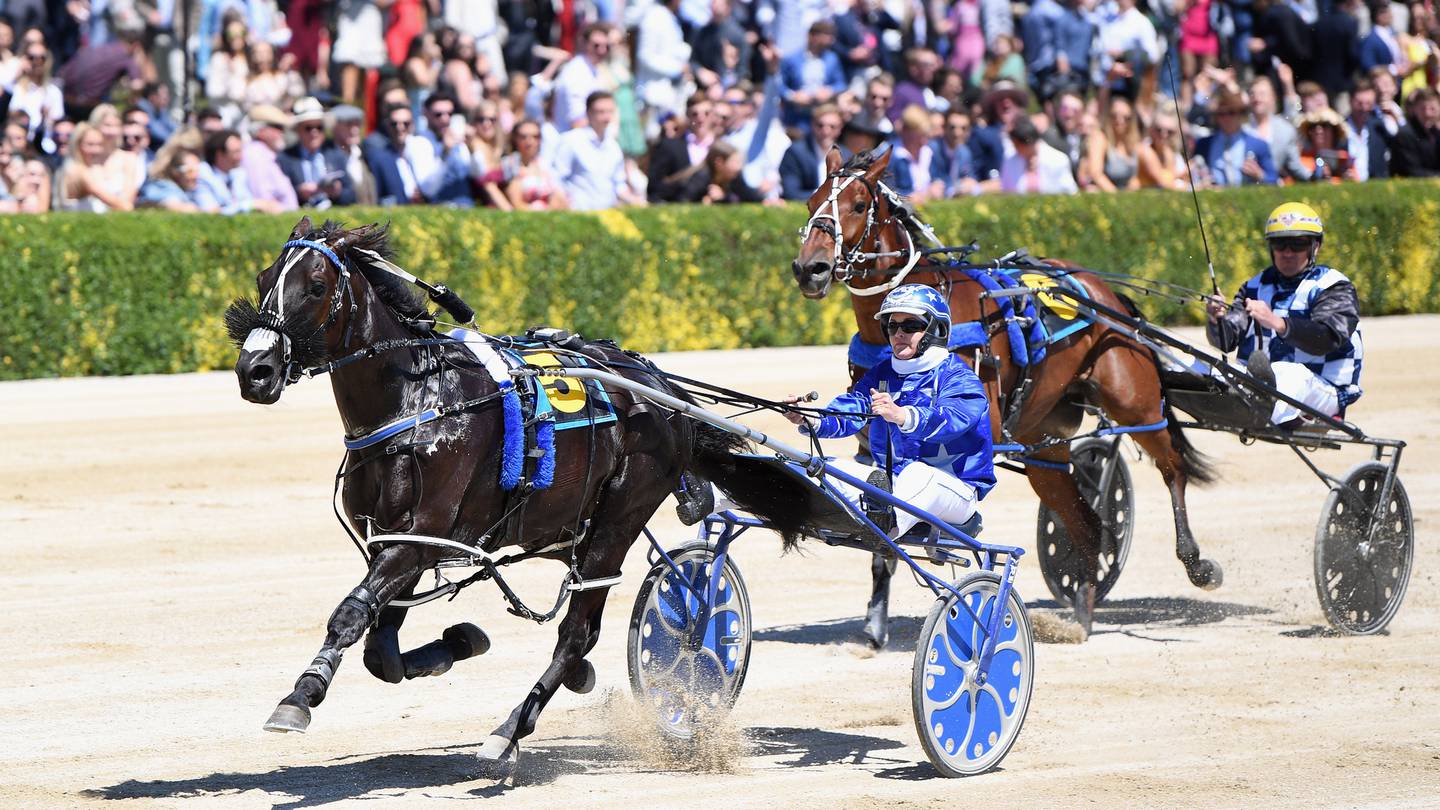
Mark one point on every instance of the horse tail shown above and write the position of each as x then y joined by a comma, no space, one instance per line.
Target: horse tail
1196,466
759,488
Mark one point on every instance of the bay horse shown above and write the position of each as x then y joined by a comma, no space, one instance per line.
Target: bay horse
330,297
853,216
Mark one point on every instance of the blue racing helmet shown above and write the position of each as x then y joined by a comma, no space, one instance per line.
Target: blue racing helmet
925,302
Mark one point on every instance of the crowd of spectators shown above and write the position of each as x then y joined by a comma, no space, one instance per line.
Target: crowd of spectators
588,104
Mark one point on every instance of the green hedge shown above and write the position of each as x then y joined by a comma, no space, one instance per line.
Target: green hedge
144,292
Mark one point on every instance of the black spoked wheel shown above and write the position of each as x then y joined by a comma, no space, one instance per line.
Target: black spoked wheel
1103,478
1364,550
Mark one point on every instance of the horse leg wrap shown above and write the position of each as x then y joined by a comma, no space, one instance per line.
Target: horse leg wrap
434,658
364,600
323,667
455,644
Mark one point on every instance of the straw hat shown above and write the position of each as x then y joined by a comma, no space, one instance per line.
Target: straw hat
306,110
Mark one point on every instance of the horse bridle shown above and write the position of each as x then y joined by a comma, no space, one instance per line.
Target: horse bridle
273,320
826,219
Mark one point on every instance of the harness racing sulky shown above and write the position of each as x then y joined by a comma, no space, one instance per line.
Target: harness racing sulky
465,453
1053,343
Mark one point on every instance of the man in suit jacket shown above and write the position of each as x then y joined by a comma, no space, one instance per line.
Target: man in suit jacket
349,141
1380,47
803,167
395,181
314,164
809,77
1232,156
1415,151
1337,35
1369,140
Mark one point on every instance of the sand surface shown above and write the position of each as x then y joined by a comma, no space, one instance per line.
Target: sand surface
172,560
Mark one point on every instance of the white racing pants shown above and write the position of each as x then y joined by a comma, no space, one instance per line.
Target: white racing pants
1296,381
920,485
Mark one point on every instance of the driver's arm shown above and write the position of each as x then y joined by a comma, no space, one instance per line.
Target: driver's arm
1334,314
1225,332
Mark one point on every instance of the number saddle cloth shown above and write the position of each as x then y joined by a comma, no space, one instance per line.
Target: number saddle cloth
535,407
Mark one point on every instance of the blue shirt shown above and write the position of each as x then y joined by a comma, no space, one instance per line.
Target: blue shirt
228,191
591,167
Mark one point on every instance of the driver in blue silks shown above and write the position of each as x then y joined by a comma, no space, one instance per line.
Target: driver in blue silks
927,405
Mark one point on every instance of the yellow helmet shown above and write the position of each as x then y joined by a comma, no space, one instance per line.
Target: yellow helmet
1294,219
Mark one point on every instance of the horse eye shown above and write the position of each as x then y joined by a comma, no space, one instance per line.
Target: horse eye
317,289
859,207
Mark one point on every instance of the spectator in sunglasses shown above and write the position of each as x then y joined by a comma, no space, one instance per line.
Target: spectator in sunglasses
1231,156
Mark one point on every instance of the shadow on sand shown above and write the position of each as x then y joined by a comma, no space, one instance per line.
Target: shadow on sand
904,632
361,776
375,776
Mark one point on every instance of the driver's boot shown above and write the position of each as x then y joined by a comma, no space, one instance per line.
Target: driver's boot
1085,608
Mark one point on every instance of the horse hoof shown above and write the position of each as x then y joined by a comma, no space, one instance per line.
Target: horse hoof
498,757
288,718
875,637
1205,574
466,640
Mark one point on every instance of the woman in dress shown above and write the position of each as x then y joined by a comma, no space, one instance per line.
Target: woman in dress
36,94
487,146
124,166
1161,164
967,44
1199,45
88,184
1113,158
529,183
229,72
273,83
359,43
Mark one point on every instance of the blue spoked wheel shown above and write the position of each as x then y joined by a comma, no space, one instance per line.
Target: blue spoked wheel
683,670
965,726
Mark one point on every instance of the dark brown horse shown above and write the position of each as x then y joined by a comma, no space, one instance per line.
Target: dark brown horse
330,297
853,214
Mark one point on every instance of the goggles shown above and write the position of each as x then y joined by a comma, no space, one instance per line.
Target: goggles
908,326
1297,244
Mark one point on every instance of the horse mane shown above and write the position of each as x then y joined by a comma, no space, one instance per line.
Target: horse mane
393,291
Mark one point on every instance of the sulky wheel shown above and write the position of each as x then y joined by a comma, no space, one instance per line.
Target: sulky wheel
679,668
966,726
1104,480
1360,572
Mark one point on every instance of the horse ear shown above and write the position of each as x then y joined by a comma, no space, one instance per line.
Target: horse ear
833,160
349,238
301,228
877,169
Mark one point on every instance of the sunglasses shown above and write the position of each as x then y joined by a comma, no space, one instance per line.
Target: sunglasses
1297,245
404,123
35,57
442,113
908,326
485,119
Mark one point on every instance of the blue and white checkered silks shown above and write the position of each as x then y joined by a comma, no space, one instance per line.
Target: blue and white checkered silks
916,299
1340,368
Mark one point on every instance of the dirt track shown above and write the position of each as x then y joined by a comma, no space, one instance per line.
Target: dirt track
172,560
